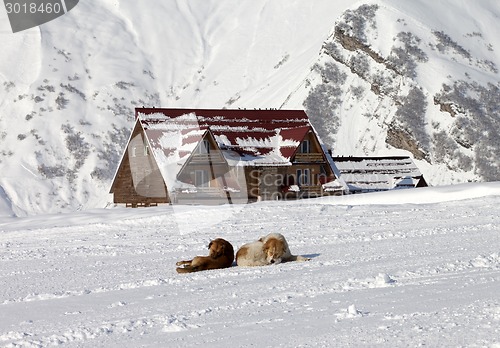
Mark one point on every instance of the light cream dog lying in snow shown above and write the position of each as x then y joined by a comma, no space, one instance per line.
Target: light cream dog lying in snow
270,249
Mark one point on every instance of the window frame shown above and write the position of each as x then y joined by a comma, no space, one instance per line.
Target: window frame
203,180
203,147
304,177
305,146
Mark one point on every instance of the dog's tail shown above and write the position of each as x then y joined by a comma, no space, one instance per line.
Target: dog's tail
187,269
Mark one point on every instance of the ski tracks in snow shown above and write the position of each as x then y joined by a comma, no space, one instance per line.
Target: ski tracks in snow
376,276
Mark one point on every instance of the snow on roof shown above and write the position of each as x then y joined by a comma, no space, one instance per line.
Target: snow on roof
335,185
378,173
245,137
171,143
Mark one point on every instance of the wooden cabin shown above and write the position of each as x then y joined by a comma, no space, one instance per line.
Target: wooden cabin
369,174
222,156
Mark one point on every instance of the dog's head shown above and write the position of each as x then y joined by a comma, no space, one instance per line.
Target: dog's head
274,249
219,247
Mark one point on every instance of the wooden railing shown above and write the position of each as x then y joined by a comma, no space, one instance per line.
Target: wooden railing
207,158
309,157
210,191
316,189
201,191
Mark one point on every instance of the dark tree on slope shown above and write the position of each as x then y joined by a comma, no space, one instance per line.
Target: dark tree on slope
355,21
404,59
411,113
110,153
478,125
323,101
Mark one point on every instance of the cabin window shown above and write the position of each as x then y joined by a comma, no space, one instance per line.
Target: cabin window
204,147
201,178
305,146
145,146
304,177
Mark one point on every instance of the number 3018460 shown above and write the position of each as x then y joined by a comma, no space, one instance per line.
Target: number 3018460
33,8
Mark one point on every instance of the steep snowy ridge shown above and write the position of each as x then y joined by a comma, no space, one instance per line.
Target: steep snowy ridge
68,87
391,76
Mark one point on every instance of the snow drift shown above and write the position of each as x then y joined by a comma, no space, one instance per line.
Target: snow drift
398,274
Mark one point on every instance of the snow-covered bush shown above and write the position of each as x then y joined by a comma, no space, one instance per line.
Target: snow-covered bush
404,58
333,50
445,42
76,145
61,101
411,112
120,109
9,85
124,85
360,64
110,153
51,172
357,91
354,23
478,123
73,89
48,88
323,101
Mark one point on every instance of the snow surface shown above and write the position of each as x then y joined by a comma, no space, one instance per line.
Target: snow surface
424,271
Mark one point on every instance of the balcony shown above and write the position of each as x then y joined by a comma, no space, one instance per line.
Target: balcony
206,158
313,157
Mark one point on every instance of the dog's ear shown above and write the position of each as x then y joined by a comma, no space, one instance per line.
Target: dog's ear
268,245
220,248
210,244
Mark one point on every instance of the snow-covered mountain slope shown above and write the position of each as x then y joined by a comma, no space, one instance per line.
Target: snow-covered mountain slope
68,87
106,277
418,76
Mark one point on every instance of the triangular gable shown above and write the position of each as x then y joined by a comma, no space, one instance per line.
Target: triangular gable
137,127
172,144
207,135
297,135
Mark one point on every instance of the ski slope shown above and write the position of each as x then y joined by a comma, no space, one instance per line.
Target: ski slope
405,268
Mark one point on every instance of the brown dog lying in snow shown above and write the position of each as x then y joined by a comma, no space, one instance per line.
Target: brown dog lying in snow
220,255
270,249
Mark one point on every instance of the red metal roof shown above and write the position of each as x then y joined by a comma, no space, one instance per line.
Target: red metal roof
227,115
259,136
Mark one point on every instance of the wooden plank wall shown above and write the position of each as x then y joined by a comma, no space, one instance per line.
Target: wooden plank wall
139,181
